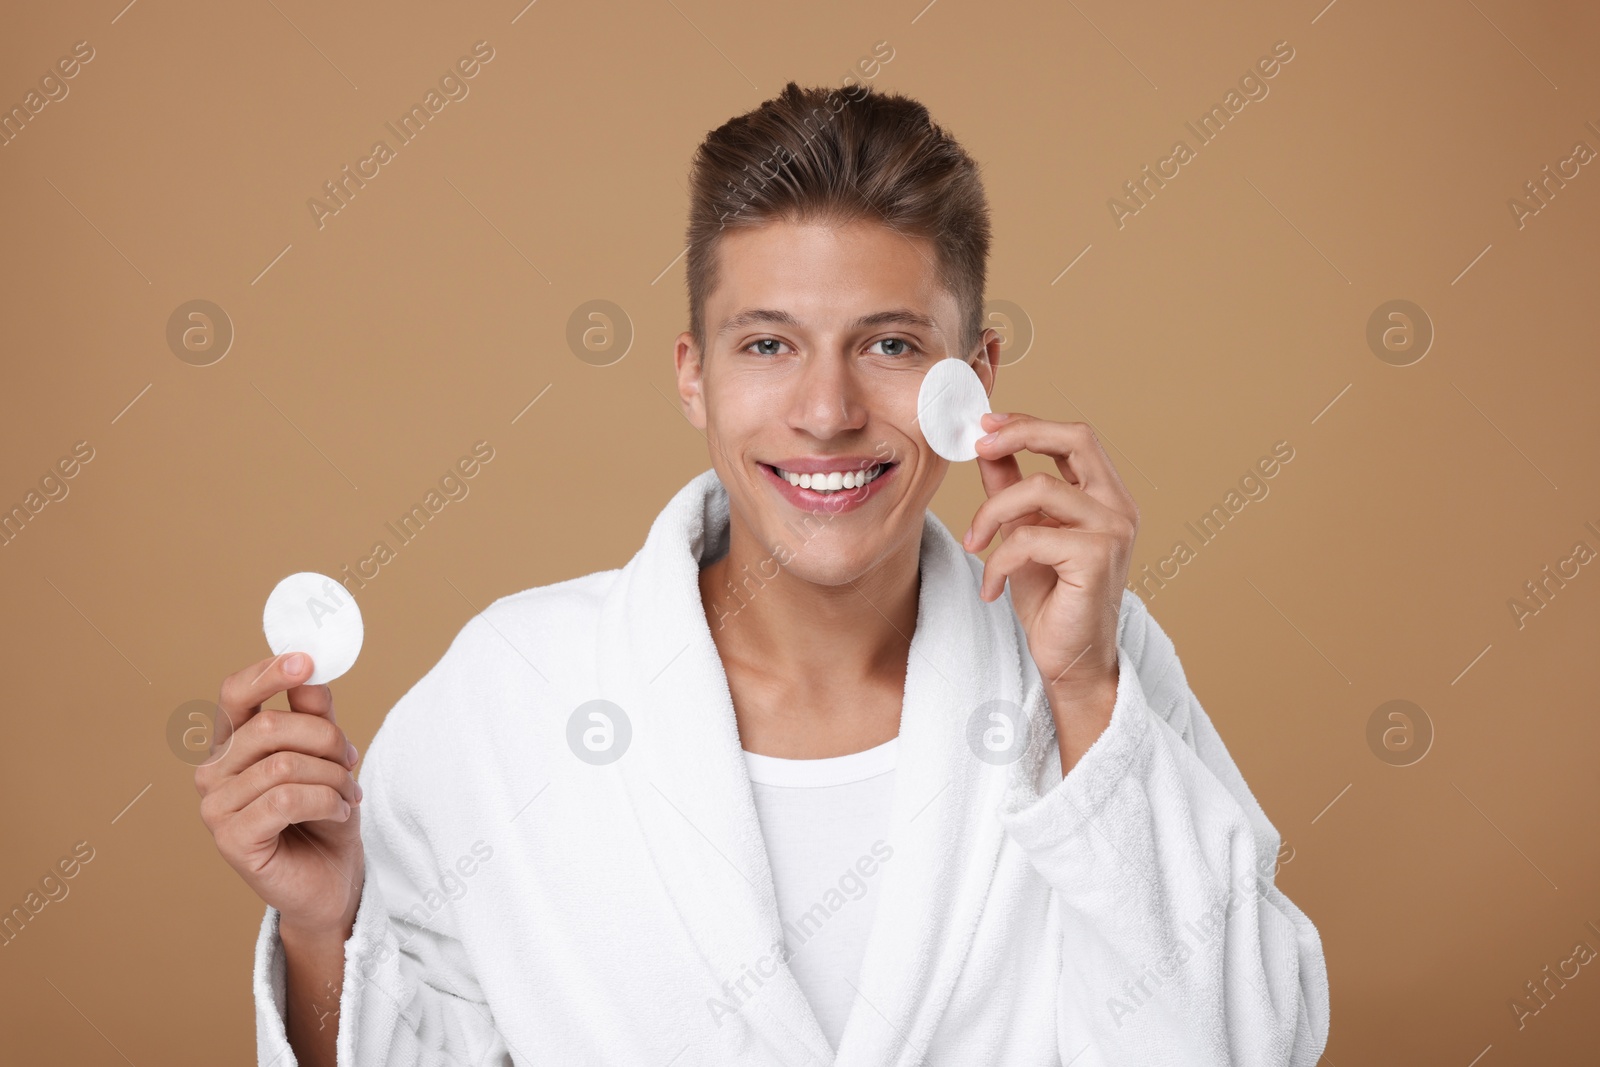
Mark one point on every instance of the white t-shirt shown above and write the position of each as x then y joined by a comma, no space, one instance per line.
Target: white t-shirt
826,826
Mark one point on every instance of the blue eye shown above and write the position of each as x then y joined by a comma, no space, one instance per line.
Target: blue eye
771,346
906,347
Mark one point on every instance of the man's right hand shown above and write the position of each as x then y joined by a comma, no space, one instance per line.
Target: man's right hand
281,800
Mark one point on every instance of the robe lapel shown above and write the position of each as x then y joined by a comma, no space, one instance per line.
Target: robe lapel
690,795
944,828
685,777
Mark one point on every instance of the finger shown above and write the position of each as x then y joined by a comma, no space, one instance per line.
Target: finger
1072,554
1038,494
243,692
997,474
1074,447
283,806
312,700
274,730
280,768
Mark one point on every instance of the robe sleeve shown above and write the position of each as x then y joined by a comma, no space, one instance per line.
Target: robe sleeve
1178,946
410,998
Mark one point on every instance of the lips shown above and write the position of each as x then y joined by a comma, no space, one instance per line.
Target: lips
830,479
825,471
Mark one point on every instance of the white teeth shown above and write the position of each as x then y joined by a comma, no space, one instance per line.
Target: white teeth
832,481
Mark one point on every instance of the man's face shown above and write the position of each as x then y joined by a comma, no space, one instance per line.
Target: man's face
818,337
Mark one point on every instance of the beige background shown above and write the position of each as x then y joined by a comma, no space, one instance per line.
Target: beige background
1226,316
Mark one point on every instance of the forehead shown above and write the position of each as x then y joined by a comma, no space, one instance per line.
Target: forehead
827,274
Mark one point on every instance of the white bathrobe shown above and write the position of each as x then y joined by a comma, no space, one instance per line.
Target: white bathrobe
525,906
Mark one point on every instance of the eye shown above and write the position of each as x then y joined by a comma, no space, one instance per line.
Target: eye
766,346
905,347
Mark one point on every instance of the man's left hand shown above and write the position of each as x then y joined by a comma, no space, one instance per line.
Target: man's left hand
1065,548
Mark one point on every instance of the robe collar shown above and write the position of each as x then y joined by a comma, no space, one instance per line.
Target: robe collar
689,794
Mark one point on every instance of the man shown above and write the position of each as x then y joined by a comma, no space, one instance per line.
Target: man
806,782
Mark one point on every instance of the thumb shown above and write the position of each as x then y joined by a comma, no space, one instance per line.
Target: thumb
310,699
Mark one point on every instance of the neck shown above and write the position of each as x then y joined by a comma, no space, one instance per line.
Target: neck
811,651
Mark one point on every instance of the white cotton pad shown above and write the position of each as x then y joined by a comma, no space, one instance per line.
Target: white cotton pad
311,613
949,406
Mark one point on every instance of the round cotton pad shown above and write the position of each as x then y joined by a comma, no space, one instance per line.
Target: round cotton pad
312,613
949,406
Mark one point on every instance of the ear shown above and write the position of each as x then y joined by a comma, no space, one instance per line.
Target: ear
690,366
987,363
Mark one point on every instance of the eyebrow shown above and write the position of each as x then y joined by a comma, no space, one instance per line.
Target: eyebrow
779,317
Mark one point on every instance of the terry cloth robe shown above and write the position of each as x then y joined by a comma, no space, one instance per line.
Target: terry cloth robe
523,905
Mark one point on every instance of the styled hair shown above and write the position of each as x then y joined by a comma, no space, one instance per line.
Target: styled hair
838,156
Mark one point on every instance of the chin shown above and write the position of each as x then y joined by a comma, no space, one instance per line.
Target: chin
839,554
821,567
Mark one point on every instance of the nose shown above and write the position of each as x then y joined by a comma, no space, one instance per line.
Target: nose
828,399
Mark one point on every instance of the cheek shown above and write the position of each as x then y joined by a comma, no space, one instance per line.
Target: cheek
911,449
921,470
739,406
732,434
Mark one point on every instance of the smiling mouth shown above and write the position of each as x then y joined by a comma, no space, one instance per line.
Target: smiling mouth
831,481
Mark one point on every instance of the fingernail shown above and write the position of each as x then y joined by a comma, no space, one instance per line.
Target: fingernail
293,663
350,754
966,538
999,416
988,438
358,792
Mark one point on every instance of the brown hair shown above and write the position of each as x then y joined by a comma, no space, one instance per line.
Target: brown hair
840,155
